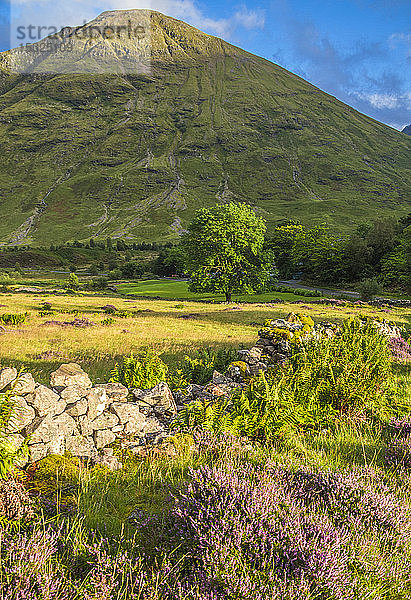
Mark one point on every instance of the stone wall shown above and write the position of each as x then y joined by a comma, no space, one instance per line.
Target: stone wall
74,416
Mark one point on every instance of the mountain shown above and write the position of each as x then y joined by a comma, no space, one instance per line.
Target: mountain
407,130
133,154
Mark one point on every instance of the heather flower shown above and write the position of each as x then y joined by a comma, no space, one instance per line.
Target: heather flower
28,568
400,349
352,497
401,427
15,502
255,542
271,533
398,453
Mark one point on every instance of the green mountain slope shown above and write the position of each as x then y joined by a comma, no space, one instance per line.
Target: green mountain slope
135,155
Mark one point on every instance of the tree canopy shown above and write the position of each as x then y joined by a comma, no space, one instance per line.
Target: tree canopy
224,249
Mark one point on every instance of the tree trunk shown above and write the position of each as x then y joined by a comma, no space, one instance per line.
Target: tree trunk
227,296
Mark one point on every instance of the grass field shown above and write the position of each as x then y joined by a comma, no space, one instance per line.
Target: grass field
173,328
89,509
174,289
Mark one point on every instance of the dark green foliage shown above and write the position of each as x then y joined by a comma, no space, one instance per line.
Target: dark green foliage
396,266
382,247
369,288
13,318
132,270
99,283
72,282
170,261
298,291
200,368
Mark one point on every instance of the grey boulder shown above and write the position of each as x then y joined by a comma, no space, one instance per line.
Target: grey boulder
45,401
7,375
159,398
70,374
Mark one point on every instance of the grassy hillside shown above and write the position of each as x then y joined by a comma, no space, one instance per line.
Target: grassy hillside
134,156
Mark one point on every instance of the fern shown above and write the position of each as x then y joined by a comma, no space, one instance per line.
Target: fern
8,453
200,369
143,371
325,380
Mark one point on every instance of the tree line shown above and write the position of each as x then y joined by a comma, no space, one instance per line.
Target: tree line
232,232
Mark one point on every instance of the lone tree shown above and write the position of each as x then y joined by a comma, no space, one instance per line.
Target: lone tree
224,250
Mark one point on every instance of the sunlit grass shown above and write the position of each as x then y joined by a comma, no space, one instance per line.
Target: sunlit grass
170,327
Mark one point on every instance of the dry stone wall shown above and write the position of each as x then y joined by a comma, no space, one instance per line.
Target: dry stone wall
74,416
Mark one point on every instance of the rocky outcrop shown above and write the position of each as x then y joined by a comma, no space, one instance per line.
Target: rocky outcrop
74,416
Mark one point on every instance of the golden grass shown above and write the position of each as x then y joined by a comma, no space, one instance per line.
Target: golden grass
42,347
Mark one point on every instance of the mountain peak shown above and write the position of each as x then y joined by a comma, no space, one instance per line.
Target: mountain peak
118,42
407,130
134,154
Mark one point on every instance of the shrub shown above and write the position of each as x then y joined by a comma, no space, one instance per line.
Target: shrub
72,282
143,371
13,318
99,283
200,369
369,288
347,376
15,502
108,321
296,291
400,349
266,532
29,568
351,373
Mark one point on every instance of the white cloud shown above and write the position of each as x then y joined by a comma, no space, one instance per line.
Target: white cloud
398,38
76,12
382,100
390,101
250,19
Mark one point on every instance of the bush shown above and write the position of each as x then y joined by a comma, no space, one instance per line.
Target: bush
200,369
400,349
369,288
143,371
99,283
15,501
132,270
268,532
72,282
13,318
348,376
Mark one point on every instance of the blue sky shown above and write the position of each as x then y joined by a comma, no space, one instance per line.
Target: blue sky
356,50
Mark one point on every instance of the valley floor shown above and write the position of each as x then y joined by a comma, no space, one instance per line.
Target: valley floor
320,513
174,329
